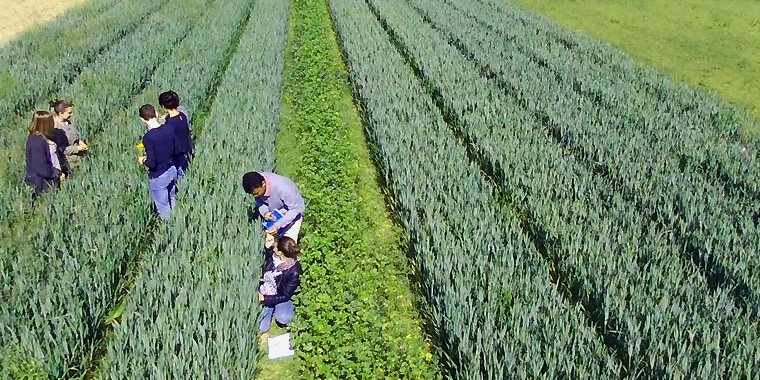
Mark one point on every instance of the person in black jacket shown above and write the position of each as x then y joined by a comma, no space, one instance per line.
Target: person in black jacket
45,165
159,158
282,275
179,122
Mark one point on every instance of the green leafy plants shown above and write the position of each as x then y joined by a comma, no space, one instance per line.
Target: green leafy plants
469,250
355,313
618,256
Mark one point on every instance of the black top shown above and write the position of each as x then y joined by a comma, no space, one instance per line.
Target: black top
159,149
184,141
39,166
61,142
287,282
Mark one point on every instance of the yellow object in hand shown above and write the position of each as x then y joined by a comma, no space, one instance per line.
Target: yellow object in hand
140,146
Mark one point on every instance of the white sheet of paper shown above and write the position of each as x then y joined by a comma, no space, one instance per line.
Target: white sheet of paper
279,347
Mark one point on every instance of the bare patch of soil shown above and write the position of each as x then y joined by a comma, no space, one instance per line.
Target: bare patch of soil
19,15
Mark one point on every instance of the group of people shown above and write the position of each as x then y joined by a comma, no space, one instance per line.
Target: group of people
54,147
168,146
281,206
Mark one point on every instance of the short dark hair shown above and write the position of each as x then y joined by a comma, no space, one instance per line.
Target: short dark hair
60,105
288,247
147,112
169,100
252,180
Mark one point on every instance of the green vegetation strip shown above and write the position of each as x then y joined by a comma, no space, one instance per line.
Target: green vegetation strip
59,284
194,311
612,257
98,92
703,42
46,58
356,316
673,178
494,312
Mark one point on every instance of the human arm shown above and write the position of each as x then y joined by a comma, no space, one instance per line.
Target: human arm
71,150
294,206
150,154
262,207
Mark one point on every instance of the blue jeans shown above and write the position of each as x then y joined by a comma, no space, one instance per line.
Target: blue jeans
163,188
283,313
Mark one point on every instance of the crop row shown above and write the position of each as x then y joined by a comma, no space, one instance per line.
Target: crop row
36,64
59,279
718,226
494,309
193,313
370,328
684,121
653,308
97,92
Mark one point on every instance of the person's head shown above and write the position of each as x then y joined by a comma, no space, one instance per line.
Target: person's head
63,109
253,183
147,112
288,247
42,124
169,100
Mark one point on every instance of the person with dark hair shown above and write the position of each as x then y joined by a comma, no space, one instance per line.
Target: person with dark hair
275,192
181,108
66,135
159,158
282,275
179,122
44,164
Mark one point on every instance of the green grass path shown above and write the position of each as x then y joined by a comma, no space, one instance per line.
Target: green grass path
356,315
709,43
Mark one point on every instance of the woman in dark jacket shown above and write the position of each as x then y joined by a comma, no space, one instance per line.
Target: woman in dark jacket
66,134
282,275
45,166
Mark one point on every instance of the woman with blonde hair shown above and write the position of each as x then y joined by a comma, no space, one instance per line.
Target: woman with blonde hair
45,165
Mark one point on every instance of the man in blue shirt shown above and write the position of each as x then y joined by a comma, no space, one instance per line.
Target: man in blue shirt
275,192
179,122
159,144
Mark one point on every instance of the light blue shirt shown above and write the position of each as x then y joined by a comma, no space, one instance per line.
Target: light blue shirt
281,194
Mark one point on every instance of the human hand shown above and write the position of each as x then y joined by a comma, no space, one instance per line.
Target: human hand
142,159
268,216
62,177
261,297
273,230
269,240
83,147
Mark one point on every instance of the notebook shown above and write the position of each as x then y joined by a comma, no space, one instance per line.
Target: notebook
267,224
279,347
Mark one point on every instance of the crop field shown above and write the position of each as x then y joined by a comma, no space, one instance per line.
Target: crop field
489,196
709,43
